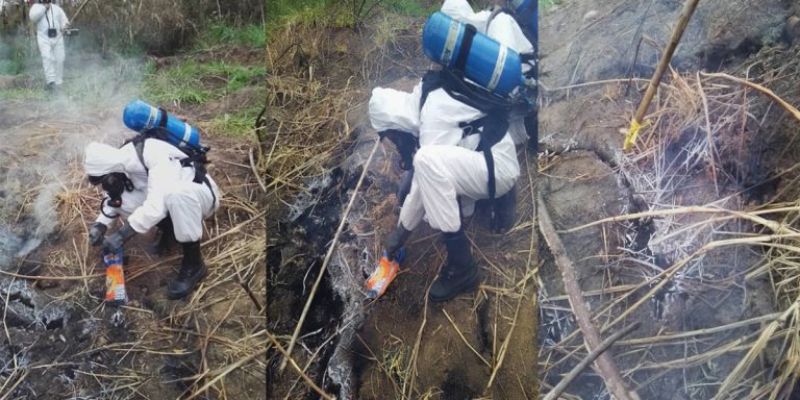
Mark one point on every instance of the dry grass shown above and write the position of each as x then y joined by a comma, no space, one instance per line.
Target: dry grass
701,131
307,119
218,332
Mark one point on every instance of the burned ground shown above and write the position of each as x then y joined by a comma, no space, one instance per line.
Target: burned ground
709,309
712,143
60,340
398,346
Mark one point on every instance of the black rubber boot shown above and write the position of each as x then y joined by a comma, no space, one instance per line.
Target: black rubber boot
460,274
192,271
164,238
505,211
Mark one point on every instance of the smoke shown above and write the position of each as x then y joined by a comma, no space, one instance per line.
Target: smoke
43,137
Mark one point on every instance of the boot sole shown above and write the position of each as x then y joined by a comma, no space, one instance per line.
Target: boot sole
466,286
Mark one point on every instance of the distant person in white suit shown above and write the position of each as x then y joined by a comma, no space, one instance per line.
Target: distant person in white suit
50,21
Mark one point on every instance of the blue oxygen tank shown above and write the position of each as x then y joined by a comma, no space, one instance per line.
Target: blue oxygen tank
141,117
491,65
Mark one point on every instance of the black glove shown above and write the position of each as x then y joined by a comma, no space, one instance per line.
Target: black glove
405,186
118,238
406,145
396,240
96,233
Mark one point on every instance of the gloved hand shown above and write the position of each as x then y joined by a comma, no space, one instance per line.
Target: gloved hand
118,238
395,240
96,233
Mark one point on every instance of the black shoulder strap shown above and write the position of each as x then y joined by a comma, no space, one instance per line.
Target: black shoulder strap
163,122
138,144
431,81
466,46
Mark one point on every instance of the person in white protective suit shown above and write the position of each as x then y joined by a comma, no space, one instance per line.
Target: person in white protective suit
154,190
447,169
50,21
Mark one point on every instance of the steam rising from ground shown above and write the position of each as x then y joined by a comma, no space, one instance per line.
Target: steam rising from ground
42,139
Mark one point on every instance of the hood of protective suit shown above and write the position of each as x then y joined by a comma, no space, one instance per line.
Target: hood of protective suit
503,27
103,159
460,10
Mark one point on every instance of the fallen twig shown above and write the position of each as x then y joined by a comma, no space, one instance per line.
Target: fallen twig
562,385
297,368
605,365
461,335
786,106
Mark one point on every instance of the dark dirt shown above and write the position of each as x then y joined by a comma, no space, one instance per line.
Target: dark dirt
445,366
586,41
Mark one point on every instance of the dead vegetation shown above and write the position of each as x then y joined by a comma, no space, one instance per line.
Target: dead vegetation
711,229
212,344
161,26
316,139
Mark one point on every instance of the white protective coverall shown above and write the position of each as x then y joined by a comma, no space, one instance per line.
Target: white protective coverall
166,188
446,166
52,49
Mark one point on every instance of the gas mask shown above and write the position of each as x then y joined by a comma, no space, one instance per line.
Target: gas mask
114,184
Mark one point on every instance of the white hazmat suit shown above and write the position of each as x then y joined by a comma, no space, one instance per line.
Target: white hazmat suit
165,188
51,48
446,166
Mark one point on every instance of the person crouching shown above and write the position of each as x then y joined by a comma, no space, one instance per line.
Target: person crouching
150,189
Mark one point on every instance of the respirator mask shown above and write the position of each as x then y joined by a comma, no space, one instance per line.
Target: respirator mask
114,184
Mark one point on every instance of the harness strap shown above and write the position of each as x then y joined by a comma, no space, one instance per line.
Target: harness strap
138,144
466,45
210,189
163,120
487,155
195,162
199,169
430,81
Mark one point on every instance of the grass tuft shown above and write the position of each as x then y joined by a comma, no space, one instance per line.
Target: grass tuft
194,82
253,36
238,124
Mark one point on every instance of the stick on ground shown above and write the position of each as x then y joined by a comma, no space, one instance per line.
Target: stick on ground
305,377
605,364
562,385
677,32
